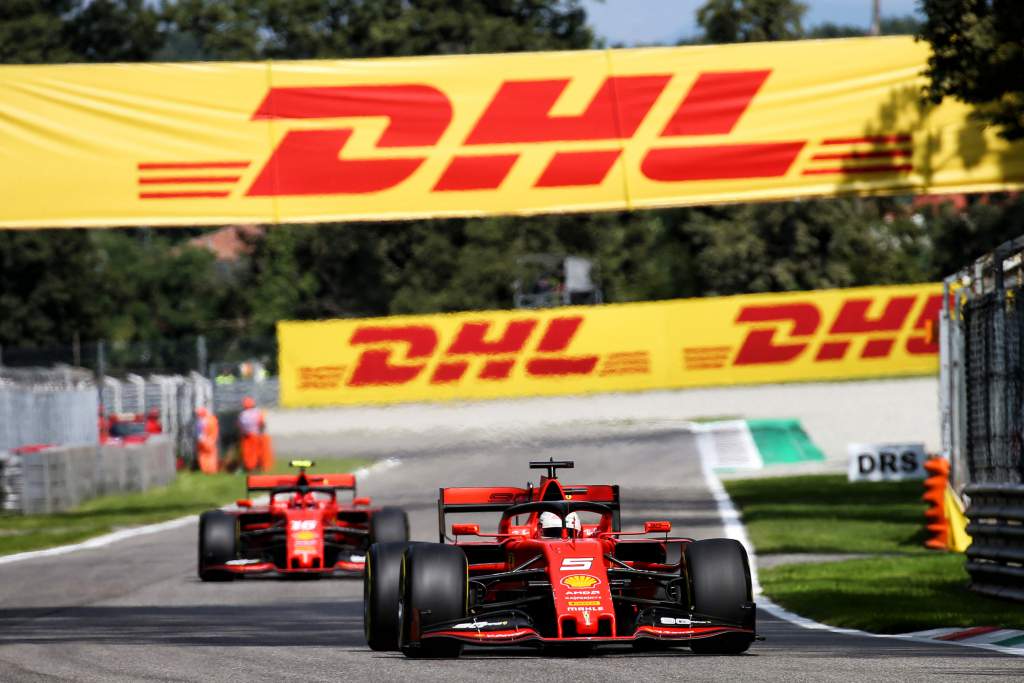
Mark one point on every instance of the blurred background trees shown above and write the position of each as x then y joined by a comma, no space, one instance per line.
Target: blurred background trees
978,58
145,284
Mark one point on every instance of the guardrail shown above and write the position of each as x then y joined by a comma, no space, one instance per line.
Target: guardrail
995,558
60,478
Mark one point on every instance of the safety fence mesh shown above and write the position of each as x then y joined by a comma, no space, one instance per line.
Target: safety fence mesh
983,370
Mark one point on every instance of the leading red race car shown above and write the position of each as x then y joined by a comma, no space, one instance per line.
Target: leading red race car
303,528
558,572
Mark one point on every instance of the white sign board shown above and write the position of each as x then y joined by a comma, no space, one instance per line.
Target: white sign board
886,461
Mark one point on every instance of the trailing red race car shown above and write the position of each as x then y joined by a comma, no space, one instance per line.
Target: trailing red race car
558,572
302,529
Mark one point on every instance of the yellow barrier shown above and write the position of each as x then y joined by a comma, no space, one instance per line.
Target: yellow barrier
750,339
216,143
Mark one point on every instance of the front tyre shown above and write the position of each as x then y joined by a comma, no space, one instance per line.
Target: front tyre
435,587
719,581
381,593
218,544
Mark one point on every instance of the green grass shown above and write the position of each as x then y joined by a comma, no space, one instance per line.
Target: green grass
191,492
888,594
826,514
908,588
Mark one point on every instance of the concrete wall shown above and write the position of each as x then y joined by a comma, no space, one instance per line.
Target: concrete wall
61,478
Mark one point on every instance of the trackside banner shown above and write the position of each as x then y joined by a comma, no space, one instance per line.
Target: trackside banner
217,143
750,339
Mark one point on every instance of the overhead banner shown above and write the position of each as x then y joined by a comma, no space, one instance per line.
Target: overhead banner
219,143
750,339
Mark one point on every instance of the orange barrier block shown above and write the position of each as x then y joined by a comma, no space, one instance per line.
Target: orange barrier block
935,494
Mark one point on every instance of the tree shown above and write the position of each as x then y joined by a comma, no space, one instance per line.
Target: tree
978,57
889,26
744,21
49,282
32,31
60,31
305,29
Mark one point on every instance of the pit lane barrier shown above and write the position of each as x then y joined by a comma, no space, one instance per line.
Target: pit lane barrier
53,479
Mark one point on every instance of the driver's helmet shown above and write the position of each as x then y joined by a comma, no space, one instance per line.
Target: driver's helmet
302,500
551,525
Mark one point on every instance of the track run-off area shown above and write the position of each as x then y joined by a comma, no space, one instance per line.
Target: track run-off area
135,610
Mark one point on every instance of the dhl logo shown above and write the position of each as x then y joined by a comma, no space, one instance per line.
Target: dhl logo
797,336
392,355
782,333
313,161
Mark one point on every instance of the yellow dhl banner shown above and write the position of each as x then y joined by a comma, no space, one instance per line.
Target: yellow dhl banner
215,143
749,339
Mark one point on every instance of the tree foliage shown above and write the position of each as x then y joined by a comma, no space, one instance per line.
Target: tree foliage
306,29
55,31
746,21
978,57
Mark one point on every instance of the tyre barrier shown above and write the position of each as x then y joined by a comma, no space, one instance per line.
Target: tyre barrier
60,478
995,558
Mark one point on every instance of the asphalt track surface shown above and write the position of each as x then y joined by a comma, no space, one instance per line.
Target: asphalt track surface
136,611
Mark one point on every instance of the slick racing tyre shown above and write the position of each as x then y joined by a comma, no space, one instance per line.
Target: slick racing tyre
218,544
435,585
381,592
719,581
389,525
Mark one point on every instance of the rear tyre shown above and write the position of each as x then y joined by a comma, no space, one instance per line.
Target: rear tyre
719,580
381,593
389,525
435,585
218,544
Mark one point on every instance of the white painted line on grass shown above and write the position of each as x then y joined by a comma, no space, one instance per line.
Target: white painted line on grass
101,541
734,529
124,534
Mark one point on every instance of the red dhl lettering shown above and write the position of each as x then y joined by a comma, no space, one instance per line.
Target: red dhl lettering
312,162
400,354
782,333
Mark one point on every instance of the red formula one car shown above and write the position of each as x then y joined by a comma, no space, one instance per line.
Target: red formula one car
302,528
558,572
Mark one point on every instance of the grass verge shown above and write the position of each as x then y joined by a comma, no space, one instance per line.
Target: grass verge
189,493
906,588
827,514
896,594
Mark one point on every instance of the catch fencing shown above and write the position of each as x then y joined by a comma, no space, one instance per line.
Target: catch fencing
175,397
50,453
982,406
54,406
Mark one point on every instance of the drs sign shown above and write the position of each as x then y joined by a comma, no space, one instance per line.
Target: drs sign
886,462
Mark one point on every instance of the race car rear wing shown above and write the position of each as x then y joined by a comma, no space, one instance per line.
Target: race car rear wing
499,498
269,482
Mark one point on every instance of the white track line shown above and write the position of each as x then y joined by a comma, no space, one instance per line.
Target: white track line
101,541
733,525
123,534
